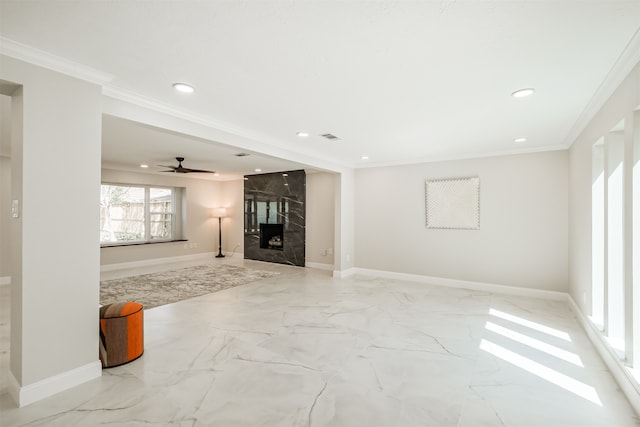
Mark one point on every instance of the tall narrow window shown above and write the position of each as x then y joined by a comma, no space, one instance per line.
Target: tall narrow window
635,324
161,213
615,322
597,235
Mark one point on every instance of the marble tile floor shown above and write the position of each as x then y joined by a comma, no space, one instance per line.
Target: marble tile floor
305,349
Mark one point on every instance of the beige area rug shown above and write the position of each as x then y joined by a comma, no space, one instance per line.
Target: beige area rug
153,290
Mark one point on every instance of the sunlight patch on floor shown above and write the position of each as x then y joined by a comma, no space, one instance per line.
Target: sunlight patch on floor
561,380
536,344
529,324
534,367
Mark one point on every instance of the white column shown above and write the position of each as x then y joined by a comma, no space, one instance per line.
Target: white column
55,266
344,223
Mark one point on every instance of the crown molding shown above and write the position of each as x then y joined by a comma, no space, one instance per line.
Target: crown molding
44,59
628,59
468,156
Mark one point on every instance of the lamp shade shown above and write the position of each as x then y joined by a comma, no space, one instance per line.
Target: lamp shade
219,212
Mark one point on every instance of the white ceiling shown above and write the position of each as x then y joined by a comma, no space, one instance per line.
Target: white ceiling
399,82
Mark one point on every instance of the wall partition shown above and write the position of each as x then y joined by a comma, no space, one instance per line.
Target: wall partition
598,235
615,247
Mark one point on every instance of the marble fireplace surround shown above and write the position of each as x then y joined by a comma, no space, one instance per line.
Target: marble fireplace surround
275,198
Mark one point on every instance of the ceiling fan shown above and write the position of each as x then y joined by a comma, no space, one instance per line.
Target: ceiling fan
182,169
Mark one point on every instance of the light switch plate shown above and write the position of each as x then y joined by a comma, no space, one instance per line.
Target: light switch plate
15,209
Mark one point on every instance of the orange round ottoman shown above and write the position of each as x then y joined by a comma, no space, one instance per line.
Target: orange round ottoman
121,333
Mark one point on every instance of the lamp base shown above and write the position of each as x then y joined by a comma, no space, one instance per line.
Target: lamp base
220,238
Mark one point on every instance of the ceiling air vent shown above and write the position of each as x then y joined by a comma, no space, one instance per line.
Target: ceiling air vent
241,154
329,136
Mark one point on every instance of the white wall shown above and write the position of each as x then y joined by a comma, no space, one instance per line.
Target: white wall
202,229
619,106
320,218
522,239
54,243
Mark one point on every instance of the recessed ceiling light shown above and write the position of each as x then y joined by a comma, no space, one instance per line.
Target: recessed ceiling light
144,166
364,157
258,170
520,140
302,134
183,87
216,174
521,93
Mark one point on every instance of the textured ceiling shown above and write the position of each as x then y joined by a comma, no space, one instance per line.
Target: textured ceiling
399,81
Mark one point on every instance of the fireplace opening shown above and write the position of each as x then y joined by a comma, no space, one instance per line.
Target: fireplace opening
272,236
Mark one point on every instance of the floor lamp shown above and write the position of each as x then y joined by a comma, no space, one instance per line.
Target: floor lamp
219,213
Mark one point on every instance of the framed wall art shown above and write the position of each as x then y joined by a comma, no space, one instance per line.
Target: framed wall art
453,203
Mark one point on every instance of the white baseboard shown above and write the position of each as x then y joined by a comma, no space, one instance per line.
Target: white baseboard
157,261
343,274
5,280
465,284
233,254
25,395
319,266
627,383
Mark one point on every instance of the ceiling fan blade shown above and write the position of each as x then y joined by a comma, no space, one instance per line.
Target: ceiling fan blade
188,170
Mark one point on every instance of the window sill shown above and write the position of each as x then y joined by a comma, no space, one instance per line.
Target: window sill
115,245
